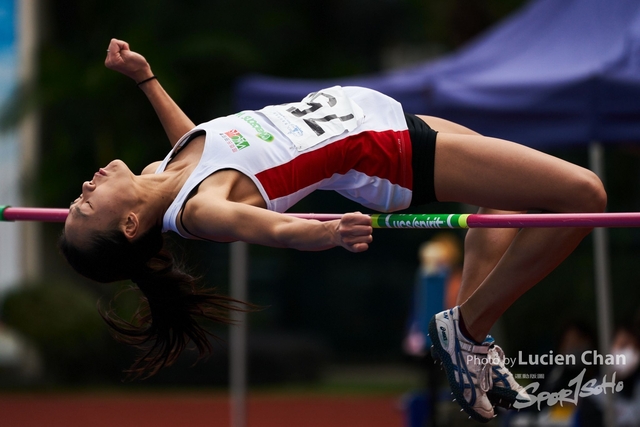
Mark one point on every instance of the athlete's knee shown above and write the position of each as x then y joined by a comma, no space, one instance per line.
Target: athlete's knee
590,192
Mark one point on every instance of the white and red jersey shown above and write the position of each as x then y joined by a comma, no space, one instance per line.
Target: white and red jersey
351,140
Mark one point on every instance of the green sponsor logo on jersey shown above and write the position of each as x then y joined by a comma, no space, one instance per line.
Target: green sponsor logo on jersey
262,134
238,140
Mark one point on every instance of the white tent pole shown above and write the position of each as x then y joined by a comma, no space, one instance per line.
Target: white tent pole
239,262
602,279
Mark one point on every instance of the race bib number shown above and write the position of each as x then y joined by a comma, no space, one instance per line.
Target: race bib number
318,117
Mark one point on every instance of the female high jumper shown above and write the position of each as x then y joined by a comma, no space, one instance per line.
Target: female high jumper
230,179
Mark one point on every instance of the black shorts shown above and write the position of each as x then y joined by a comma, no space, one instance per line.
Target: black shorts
423,147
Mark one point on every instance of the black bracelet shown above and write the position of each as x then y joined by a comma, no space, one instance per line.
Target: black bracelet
146,80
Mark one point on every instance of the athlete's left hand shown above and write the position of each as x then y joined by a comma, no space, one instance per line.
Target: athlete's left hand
122,59
355,231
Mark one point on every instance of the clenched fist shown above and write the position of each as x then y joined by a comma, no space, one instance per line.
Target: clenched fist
355,231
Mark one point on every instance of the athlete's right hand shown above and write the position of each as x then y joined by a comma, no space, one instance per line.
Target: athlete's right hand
123,60
355,231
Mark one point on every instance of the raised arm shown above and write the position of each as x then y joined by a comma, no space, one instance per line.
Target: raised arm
123,60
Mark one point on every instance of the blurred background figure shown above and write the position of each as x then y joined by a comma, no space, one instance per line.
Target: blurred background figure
626,342
436,288
575,338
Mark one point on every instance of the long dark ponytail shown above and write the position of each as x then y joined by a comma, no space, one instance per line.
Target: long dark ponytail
173,301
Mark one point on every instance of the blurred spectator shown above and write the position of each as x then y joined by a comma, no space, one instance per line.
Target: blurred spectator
576,338
436,288
626,342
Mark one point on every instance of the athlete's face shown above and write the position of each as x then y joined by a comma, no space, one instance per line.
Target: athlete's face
103,204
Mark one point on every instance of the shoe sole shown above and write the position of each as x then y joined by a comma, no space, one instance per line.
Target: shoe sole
439,353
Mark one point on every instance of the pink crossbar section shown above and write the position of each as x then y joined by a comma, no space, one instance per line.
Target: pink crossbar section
60,215
619,219
319,217
35,214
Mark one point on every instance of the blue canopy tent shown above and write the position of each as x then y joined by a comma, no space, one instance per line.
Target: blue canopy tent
554,74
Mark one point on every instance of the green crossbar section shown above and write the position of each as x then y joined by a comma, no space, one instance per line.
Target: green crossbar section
419,220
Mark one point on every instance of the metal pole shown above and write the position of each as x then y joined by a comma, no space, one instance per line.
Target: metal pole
603,281
239,262
31,251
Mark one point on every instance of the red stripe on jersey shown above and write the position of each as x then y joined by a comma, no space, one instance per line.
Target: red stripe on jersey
378,154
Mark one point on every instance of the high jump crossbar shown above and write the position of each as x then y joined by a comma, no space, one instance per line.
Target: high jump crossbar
409,221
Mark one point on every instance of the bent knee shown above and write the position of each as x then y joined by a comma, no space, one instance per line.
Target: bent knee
591,193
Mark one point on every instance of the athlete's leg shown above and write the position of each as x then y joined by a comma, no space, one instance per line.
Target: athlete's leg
498,174
483,247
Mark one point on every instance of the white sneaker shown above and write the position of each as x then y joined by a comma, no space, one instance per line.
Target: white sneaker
466,364
505,391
